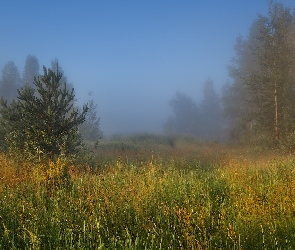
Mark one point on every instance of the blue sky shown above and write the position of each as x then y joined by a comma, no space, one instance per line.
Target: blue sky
133,55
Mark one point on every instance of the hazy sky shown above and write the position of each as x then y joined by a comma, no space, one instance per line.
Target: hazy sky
133,55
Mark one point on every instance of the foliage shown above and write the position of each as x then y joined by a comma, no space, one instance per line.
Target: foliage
56,68
43,123
260,100
10,116
52,175
239,200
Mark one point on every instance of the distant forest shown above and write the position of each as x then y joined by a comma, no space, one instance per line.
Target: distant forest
203,120
258,105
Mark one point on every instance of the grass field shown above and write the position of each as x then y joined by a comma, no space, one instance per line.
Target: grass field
150,193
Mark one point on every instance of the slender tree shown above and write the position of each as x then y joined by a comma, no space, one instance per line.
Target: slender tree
272,87
265,76
56,67
90,129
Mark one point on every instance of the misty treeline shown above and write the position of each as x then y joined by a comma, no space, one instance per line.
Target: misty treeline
258,104
39,115
203,120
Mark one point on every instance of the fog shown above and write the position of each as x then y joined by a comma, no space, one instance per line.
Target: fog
133,56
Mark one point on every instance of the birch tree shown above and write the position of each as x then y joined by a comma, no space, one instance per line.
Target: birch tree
265,76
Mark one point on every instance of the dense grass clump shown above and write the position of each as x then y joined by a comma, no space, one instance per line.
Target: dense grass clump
201,199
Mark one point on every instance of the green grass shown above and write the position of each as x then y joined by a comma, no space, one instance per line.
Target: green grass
192,196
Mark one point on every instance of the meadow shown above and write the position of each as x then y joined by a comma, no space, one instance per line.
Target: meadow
151,192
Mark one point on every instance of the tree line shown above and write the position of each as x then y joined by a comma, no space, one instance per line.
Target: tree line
203,120
258,104
11,79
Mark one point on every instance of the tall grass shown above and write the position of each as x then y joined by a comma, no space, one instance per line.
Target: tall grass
204,199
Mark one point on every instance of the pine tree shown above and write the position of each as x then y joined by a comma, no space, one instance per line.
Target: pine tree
43,123
89,129
31,70
10,81
56,67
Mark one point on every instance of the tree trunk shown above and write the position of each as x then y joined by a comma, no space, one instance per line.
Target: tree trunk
276,114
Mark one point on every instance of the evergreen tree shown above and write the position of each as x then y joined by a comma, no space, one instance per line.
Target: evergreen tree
89,129
31,70
10,81
56,67
43,122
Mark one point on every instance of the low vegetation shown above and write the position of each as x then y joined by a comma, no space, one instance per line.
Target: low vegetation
151,196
